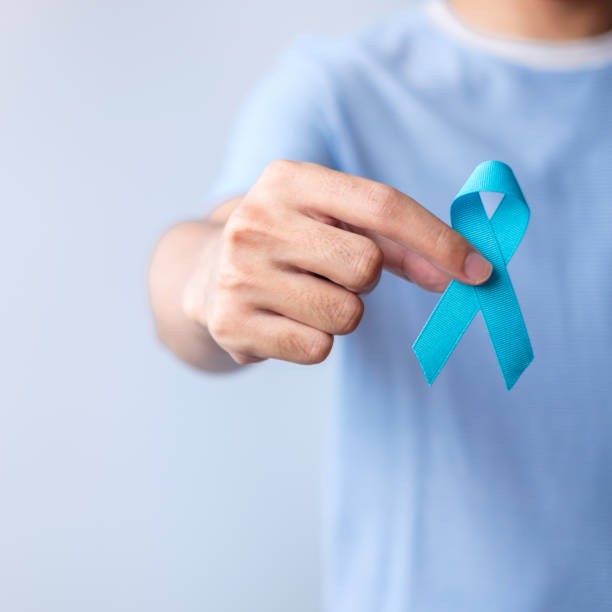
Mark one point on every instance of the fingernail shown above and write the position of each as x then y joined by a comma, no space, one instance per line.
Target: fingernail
477,268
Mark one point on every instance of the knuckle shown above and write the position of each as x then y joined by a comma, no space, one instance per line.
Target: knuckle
307,348
276,174
247,213
240,228
349,314
292,344
219,326
381,200
250,227
230,277
236,236
442,241
236,269
368,265
318,348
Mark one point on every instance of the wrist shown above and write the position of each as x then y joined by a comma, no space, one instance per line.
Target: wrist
199,281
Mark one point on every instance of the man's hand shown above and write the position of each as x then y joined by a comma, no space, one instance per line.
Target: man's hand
284,274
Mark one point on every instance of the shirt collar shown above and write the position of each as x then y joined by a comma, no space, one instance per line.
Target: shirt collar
589,52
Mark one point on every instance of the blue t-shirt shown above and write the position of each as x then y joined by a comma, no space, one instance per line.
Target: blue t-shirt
463,496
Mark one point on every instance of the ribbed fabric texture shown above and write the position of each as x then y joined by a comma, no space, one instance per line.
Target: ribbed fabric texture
497,240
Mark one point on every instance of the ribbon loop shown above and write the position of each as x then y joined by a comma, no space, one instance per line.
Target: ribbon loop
497,239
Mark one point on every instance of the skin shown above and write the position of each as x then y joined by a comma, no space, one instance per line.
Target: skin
541,19
279,271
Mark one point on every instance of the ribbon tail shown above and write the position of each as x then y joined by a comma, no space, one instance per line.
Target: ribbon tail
506,326
447,323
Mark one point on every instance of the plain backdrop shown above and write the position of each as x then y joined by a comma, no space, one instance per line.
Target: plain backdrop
127,481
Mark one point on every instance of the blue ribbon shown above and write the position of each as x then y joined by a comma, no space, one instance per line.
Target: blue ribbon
496,239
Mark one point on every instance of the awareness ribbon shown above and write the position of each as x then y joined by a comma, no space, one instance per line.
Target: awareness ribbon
496,239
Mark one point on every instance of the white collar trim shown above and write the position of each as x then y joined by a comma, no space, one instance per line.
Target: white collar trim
590,52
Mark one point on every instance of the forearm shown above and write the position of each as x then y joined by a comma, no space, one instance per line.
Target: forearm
176,258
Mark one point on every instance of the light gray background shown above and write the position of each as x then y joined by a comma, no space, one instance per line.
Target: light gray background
127,481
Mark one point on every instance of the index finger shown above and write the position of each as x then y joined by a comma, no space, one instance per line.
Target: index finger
387,211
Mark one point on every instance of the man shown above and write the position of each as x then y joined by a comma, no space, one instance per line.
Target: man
343,161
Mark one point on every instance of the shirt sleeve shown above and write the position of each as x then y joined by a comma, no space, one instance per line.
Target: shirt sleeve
286,116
